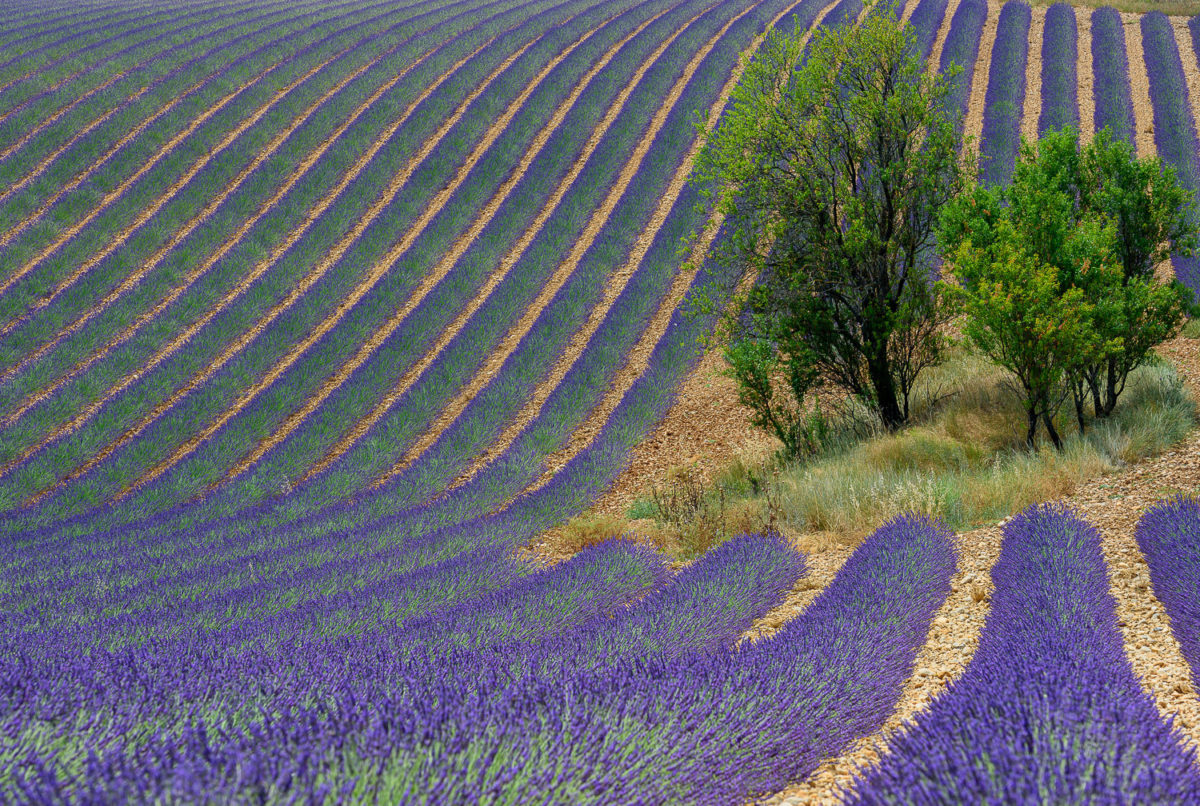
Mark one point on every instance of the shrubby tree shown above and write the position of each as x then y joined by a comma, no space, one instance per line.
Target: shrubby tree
830,166
1086,227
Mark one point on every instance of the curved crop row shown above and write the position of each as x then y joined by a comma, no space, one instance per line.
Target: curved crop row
291,137
396,223
1005,94
1169,535
333,286
1060,106
1174,125
337,173
1110,72
1049,709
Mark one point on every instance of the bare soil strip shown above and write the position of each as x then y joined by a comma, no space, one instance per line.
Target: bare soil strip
1086,77
149,211
301,170
638,359
1187,54
381,268
406,381
951,643
1033,75
1139,82
446,263
613,289
260,269
48,122
973,126
17,229
70,232
939,41
41,167
498,356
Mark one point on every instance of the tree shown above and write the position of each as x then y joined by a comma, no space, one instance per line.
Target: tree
1016,312
830,167
1060,191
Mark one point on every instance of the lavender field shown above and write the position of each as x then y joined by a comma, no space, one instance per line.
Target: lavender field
313,314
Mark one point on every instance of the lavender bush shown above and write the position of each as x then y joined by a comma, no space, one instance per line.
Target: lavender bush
1060,56
1005,99
1169,536
1049,709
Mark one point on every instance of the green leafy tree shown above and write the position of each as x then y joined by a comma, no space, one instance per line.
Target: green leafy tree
830,167
1016,312
1060,190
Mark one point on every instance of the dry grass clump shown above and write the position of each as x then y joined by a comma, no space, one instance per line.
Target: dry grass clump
590,529
964,460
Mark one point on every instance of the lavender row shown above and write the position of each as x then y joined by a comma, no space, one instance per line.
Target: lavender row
257,88
33,106
1110,71
1169,536
60,364
25,166
627,138
1049,709
1174,125
961,49
455,47
229,679
80,37
564,157
1060,106
707,727
365,686
926,21
665,246
1005,98
273,339
274,284
503,308
609,250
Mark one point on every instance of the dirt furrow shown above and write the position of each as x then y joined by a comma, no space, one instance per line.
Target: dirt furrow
612,290
7,237
1033,75
260,269
1086,76
951,643
48,122
595,224
136,277
381,268
147,212
1139,83
973,126
444,265
502,270
939,41
638,359
41,167
70,232
1187,55
345,307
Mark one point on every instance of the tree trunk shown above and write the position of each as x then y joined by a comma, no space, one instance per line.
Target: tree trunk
1031,434
1054,437
1079,392
1110,388
885,389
